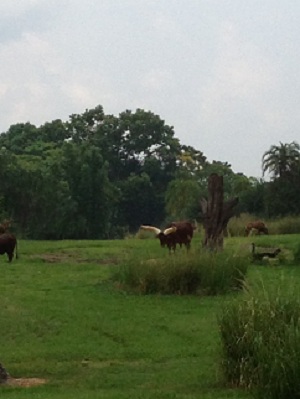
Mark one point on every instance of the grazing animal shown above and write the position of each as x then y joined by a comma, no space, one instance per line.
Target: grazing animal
258,225
176,233
8,244
265,253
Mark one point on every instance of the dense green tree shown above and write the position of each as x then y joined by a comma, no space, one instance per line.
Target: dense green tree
282,194
81,127
138,203
18,137
97,175
183,199
55,132
252,199
63,194
25,138
87,175
51,203
35,198
135,138
282,160
282,197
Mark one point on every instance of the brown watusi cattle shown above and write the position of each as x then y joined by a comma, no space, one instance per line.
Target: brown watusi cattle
176,233
184,232
258,225
8,244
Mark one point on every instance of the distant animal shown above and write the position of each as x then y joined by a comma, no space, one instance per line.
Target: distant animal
257,225
264,252
176,233
8,245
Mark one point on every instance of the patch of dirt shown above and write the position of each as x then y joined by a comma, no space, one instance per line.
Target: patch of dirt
60,258
109,261
25,382
110,363
53,258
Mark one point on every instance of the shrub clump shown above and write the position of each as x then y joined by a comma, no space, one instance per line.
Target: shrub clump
285,225
204,273
261,345
237,224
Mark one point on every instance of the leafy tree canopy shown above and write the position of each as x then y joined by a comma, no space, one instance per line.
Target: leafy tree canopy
96,175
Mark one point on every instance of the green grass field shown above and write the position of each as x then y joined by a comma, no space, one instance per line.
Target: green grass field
63,320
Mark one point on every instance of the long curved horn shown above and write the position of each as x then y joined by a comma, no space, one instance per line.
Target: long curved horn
170,230
155,230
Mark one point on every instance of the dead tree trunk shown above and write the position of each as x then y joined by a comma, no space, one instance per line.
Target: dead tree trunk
216,213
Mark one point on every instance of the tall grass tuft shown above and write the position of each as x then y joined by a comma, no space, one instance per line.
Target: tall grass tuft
285,225
261,344
237,224
202,273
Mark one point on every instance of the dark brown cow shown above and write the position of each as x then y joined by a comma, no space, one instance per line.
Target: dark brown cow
257,225
176,233
184,232
8,244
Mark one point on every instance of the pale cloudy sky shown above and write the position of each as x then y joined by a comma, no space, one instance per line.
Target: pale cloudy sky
224,73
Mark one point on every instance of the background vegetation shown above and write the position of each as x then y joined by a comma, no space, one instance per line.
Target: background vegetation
102,176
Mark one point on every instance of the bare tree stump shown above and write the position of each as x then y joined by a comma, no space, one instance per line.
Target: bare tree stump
216,213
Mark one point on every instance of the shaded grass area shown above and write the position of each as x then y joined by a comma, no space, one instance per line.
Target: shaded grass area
260,334
64,321
260,330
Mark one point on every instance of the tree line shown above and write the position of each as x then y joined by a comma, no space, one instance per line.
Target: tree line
101,176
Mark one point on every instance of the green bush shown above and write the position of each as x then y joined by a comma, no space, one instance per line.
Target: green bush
261,345
202,273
